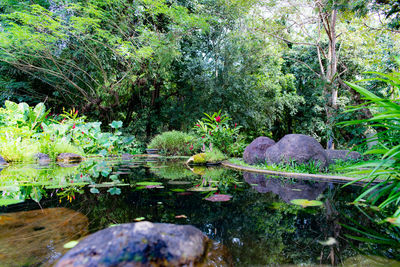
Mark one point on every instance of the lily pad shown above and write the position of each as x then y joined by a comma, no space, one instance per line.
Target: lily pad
178,190
71,244
154,186
202,189
179,182
148,183
306,203
219,198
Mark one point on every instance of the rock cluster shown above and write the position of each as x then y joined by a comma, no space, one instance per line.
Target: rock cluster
298,148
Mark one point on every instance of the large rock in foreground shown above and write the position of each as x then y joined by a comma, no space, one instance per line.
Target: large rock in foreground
300,148
345,155
140,244
69,157
255,152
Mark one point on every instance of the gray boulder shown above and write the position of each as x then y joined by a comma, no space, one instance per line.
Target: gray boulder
299,148
140,244
344,155
69,157
255,152
2,161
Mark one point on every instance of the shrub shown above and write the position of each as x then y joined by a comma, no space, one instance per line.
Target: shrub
214,156
215,129
175,143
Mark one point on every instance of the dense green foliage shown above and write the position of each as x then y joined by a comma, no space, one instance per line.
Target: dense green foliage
175,143
386,151
27,130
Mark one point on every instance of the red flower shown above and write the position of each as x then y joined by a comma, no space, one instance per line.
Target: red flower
235,124
198,125
202,137
73,127
83,132
191,147
218,119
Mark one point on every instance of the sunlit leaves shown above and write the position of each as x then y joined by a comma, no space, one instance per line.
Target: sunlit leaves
306,203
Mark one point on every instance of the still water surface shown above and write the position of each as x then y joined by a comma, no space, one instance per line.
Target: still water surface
258,226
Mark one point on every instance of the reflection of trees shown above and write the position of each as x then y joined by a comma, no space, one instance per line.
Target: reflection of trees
254,230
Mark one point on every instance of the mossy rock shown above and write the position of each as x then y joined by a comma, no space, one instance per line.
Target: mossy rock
198,159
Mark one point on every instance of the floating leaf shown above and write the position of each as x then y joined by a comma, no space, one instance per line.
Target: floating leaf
203,189
219,198
114,191
178,190
154,186
139,219
113,224
330,242
306,203
148,183
94,190
179,182
71,244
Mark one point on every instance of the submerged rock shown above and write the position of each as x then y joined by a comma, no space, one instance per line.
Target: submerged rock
37,237
287,191
299,148
255,152
344,155
69,157
140,244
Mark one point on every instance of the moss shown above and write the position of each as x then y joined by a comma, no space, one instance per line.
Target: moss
199,158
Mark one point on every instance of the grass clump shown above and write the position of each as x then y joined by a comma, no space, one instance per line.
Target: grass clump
175,143
214,156
339,167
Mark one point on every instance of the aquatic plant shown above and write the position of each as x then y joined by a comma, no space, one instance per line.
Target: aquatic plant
27,130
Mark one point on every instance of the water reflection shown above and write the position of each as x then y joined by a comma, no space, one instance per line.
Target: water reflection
286,189
259,225
30,238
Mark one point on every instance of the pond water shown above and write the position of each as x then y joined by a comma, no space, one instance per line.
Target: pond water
256,223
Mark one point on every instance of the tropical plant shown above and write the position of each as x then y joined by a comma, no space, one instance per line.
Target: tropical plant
215,131
27,130
385,168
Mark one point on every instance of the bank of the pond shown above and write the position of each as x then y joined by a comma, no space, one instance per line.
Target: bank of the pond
304,176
